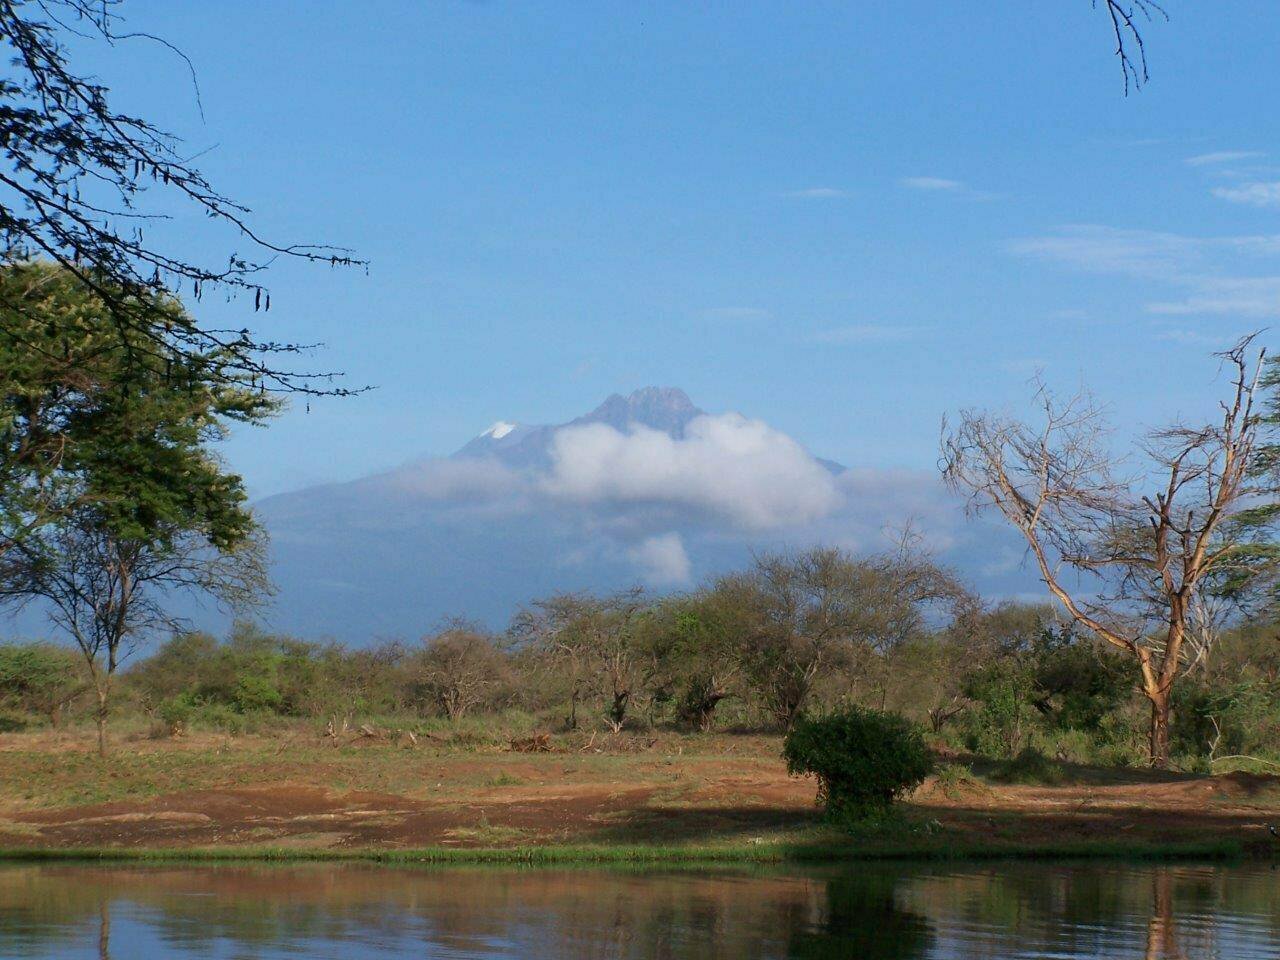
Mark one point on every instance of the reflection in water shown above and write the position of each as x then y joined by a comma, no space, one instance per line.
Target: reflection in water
862,911
861,919
104,930
1162,931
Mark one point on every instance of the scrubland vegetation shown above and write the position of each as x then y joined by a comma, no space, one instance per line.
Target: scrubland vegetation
748,653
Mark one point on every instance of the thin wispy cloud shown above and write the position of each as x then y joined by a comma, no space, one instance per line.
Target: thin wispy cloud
1193,338
867,333
1232,275
818,193
1256,194
937,184
1142,253
1235,296
1222,156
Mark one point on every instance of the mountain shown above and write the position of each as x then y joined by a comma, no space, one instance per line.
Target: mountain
667,409
645,489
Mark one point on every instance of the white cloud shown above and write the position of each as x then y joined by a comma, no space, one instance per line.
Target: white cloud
1256,194
663,561
1240,296
1099,249
1221,156
931,183
741,469
867,333
818,193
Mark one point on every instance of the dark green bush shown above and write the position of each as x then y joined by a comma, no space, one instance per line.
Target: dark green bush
1030,766
863,759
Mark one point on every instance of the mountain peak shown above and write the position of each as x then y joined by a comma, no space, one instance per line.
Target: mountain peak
667,409
672,398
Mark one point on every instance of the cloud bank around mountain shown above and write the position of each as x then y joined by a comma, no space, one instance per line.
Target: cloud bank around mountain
662,506
743,470
593,506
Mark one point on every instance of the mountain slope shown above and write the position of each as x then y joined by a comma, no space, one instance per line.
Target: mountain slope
644,489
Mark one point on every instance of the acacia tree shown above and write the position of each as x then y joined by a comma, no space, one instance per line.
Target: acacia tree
107,592
74,176
599,643
459,668
817,611
1143,546
696,643
135,506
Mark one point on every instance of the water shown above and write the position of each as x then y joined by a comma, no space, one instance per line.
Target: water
856,912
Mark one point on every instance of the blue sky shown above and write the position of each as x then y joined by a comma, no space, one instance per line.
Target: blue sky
845,219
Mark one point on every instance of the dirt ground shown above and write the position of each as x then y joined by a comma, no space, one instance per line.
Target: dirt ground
262,792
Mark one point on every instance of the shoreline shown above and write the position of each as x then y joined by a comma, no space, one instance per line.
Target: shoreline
551,855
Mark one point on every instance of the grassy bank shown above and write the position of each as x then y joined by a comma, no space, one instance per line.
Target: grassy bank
717,798
654,854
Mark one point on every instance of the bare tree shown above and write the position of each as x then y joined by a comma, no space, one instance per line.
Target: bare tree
1142,555
460,668
599,643
109,593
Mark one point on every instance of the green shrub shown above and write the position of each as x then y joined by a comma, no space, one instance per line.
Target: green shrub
174,713
257,694
1030,766
863,760
38,678
954,778
1005,712
219,716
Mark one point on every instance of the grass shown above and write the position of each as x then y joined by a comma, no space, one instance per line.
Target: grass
846,851
705,799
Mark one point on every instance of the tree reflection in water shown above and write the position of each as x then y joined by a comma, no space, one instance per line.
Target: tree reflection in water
876,912
862,918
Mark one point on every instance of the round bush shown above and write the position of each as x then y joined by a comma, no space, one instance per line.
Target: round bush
863,759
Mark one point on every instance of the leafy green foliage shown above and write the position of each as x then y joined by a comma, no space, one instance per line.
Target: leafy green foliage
94,421
1005,707
176,712
1049,682
39,678
111,496
863,759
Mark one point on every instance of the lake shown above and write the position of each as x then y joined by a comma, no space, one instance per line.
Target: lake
850,911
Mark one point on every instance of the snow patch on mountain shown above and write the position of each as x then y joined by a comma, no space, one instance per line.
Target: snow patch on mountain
499,430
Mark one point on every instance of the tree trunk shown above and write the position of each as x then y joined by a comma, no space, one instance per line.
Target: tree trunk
1161,715
571,721
617,714
101,716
